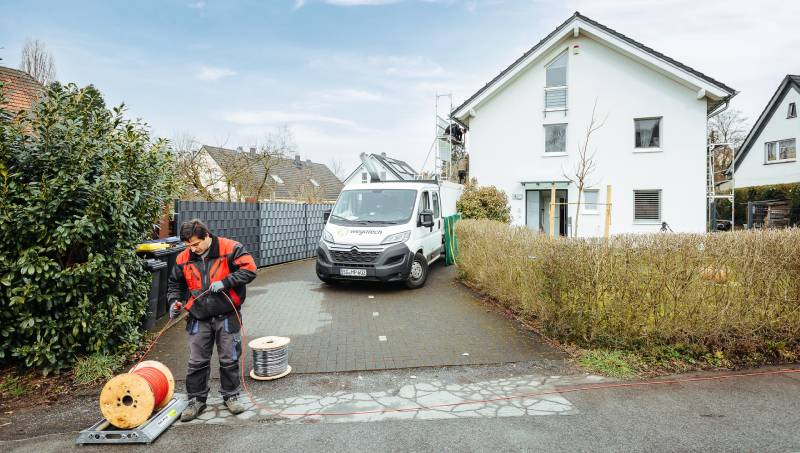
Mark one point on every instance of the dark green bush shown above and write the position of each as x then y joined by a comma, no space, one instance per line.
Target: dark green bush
80,186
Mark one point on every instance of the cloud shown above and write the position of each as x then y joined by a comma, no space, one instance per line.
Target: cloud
347,95
267,117
198,5
396,66
212,73
360,2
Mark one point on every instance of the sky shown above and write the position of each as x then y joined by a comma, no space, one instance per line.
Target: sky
352,76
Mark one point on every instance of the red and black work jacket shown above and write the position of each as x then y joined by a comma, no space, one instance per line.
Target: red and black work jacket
227,261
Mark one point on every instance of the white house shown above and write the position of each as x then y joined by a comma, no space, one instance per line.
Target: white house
768,154
525,127
387,167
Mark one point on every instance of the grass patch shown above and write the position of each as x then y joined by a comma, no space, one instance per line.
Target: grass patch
618,364
95,367
13,387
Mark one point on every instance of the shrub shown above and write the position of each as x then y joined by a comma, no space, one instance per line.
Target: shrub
733,294
80,186
790,192
485,202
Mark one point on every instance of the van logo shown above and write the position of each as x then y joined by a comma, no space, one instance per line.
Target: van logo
354,249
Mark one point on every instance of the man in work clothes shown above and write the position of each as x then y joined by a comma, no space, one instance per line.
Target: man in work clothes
219,267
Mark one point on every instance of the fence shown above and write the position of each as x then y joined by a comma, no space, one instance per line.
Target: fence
273,233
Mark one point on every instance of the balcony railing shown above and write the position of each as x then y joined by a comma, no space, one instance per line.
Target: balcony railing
555,98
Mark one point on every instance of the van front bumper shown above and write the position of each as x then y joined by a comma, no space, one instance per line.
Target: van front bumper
388,265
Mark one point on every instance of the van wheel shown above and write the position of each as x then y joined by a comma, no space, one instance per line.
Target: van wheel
419,272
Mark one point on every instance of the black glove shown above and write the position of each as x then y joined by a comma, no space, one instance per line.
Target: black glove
175,309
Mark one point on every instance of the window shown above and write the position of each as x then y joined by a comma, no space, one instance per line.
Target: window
424,201
556,72
590,197
792,110
647,206
555,138
555,91
277,179
648,132
363,177
780,151
435,205
314,182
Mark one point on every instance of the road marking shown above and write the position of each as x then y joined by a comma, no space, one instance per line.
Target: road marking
374,313
371,297
381,338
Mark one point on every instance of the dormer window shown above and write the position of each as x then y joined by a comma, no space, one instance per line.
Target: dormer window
555,91
314,183
792,113
277,179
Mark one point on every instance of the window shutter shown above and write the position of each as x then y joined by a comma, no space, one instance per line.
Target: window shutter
647,205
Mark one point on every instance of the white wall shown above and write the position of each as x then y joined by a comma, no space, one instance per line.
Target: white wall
753,170
507,138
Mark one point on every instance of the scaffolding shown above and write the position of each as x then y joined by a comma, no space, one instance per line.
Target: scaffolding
451,157
720,186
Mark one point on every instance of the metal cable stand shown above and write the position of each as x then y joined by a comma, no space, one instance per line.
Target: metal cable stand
270,358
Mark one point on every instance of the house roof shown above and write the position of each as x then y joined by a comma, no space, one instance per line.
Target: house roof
790,81
294,174
20,89
400,169
569,25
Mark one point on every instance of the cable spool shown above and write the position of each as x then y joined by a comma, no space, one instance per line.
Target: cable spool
129,399
270,358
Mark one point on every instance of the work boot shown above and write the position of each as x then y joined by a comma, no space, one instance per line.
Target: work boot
194,409
234,405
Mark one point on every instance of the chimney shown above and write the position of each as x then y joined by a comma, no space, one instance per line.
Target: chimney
383,154
308,162
297,160
253,151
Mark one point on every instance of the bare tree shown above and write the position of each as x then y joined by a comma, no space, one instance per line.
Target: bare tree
729,126
337,168
278,145
38,62
201,176
586,164
306,191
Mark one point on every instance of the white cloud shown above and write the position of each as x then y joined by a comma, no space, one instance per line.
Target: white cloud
267,117
198,5
397,66
213,73
346,95
360,2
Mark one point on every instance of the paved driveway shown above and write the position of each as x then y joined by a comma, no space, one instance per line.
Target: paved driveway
365,326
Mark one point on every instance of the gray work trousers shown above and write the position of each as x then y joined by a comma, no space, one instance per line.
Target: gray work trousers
223,330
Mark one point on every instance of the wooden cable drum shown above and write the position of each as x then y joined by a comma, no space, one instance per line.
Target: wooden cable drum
129,399
270,358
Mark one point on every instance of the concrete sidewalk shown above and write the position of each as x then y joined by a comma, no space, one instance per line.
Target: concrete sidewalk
737,414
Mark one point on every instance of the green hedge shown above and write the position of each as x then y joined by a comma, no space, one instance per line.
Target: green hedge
790,192
80,186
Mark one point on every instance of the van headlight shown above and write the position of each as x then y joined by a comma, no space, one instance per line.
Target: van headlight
327,237
397,237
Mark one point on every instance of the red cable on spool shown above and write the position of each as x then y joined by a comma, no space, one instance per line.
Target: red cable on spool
157,382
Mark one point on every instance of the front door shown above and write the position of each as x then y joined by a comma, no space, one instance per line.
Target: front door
537,211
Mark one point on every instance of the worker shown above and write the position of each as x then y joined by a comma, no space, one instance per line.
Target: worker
208,280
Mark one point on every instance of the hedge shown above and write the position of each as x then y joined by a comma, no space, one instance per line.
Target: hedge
81,186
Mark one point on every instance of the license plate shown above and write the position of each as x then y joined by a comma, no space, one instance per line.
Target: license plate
353,272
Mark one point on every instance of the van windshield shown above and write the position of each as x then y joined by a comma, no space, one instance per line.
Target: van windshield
386,206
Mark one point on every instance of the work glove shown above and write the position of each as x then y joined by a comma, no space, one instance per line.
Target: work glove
175,309
216,287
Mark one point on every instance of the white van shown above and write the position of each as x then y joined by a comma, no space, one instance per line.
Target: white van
386,231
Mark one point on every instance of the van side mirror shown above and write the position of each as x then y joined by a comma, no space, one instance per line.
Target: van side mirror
326,215
425,218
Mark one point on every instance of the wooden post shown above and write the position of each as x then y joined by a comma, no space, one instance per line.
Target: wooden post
608,211
553,211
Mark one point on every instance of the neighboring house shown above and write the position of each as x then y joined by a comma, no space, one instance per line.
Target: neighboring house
768,154
20,90
525,127
388,169
287,180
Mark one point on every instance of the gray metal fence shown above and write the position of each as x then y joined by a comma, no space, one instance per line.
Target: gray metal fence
273,233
